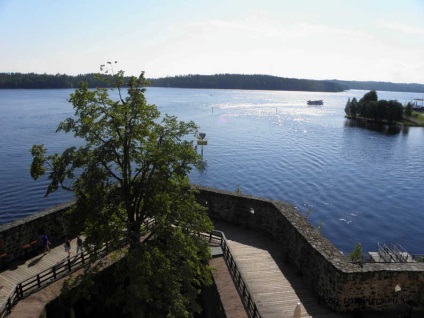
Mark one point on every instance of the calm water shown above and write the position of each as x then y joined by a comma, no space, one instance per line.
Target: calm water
359,184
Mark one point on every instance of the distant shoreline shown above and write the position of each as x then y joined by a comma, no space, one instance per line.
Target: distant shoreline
218,81
415,120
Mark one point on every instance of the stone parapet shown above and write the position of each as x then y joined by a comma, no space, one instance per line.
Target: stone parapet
344,285
15,235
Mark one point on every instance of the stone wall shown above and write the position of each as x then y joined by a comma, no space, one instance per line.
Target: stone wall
16,234
343,285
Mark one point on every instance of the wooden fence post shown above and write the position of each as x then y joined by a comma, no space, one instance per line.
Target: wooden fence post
20,291
69,265
9,305
54,271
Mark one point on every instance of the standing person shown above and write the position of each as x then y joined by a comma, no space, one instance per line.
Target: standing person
46,243
79,245
67,246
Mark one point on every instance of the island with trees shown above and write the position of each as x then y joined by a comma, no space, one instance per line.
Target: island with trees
391,112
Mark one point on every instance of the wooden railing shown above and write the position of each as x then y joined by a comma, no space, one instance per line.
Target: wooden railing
50,275
251,308
72,264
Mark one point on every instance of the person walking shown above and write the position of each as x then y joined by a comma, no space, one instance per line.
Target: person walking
67,246
46,243
79,245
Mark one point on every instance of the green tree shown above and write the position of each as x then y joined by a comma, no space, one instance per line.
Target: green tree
394,111
134,167
354,107
374,111
371,96
356,254
408,109
364,103
347,108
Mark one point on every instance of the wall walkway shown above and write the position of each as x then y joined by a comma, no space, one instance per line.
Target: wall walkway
343,285
275,286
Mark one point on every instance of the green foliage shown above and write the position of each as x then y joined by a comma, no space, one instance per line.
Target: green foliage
351,108
347,108
381,86
238,81
227,81
32,80
419,116
408,109
365,104
371,96
238,190
168,272
420,259
378,110
134,167
393,111
356,254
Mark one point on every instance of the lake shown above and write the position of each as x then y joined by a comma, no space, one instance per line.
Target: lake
356,184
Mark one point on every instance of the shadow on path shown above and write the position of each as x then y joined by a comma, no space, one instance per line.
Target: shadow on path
35,260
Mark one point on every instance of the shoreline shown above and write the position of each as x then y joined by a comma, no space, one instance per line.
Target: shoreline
415,120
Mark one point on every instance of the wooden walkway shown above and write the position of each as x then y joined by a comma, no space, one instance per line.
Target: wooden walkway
275,287
230,298
19,271
32,306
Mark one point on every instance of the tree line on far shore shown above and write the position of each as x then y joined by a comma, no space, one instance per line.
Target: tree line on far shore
369,107
250,82
44,81
221,81
14,80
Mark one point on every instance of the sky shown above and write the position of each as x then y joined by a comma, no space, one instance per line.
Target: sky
377,40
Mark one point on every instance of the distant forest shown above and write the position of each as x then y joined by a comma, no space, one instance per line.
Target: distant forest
225,81
221,81
237,81
32,80
382,86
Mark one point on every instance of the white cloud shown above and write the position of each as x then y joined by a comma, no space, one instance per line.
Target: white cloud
319,40
403,28
263,44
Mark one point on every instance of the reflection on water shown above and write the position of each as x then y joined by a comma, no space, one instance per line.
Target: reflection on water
360,183
378,127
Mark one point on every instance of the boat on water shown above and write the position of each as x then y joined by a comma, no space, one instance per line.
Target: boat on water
315,102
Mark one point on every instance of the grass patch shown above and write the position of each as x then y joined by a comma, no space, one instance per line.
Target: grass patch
416,119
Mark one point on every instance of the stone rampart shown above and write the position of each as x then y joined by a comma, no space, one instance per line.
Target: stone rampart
345,286
15,236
